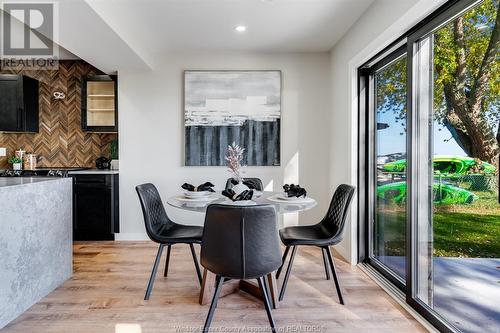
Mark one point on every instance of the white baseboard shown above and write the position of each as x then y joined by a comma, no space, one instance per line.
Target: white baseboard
131,236
343,253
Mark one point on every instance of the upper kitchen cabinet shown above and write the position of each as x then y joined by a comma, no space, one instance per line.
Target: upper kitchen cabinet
100,103
18,104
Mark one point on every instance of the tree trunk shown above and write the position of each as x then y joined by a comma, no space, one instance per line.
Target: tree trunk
498,132
465,116
469,128
498,144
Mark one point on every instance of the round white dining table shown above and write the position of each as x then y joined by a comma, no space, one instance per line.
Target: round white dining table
272,198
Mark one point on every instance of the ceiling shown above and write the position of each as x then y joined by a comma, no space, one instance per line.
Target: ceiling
133,34
159,27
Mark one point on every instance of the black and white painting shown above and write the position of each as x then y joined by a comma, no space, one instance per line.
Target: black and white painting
222,107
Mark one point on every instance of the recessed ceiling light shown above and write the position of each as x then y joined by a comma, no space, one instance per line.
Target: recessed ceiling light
240,28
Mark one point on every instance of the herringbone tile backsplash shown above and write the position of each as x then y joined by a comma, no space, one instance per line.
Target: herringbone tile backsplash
60,140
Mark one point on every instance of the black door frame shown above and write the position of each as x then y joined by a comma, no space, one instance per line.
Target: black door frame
366,133
368,142
440,18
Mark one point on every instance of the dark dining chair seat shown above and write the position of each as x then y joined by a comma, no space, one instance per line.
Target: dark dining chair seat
178,233
162,230
329,231
240,243
314,235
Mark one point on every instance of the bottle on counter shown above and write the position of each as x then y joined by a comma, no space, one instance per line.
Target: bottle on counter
30,161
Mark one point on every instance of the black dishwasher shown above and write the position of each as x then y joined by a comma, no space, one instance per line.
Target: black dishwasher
95,206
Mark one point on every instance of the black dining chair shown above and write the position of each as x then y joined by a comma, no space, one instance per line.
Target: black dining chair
252,183
326,233
240,243
164,231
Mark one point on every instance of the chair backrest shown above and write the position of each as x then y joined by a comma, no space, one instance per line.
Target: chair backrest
255,183
155,216
240,242
335,218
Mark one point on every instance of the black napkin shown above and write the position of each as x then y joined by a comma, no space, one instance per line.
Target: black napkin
200,188
245,195
294,191
250,183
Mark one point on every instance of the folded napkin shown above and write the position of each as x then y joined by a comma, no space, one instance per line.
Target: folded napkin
245,195
250,183
200,188
294,191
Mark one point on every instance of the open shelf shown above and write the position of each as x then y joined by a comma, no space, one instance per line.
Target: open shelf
100,111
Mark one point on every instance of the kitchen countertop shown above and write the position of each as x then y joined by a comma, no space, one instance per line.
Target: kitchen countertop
94,172
13,181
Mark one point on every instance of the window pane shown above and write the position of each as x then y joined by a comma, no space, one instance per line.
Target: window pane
459,238
389,230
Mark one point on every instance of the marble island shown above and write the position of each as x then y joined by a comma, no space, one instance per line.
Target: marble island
35,240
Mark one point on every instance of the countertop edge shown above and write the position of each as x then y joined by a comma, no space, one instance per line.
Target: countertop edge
94,172
9,182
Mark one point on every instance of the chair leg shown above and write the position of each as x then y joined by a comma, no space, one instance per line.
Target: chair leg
325,263
153,273
219,281
167,261
268,289
287,274
263,289
278,272
334,272
198,272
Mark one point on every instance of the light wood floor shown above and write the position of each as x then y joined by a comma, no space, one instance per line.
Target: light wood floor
106,293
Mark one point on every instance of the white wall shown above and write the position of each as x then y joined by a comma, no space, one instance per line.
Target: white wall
319,119
382,23
151,131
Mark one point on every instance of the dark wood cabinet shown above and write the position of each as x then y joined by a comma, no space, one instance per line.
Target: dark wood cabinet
18,103
100,103
95,206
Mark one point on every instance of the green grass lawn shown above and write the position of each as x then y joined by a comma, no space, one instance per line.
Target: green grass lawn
471,231
466,235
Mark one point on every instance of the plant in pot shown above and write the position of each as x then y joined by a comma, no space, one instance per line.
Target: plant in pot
234,158
16,162
114,154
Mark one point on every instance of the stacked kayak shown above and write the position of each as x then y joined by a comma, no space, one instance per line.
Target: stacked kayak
444,194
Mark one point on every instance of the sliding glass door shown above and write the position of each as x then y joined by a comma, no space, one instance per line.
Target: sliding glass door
456,100
431,106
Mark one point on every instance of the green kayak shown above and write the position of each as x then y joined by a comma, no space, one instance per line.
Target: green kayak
448,165
444,194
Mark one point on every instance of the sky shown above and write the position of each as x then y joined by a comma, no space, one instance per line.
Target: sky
391,141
